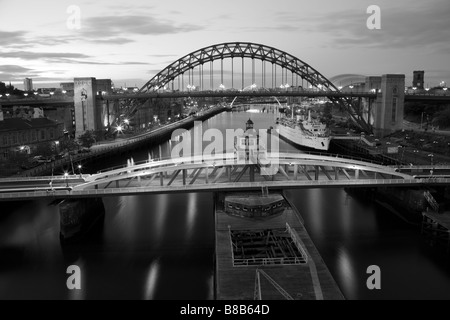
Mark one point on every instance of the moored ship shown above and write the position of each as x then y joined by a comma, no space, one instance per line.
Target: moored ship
305,132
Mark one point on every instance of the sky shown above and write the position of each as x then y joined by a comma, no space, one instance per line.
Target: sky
129,42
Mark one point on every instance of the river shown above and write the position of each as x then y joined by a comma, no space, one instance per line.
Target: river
162,246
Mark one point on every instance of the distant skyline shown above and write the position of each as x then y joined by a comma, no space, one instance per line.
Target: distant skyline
130,43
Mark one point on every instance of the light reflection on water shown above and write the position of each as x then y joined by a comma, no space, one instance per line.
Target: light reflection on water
162,246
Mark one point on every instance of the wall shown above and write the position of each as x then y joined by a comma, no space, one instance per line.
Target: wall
86,115
389,106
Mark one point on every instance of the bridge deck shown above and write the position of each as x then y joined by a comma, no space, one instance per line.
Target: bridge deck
442,218
309,281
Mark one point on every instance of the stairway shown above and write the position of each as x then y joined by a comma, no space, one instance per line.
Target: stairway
433,203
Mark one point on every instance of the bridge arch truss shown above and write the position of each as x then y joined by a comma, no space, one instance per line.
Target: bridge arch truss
224,172
166,78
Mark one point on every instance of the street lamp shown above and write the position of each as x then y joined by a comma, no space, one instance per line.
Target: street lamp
431,158
66,176
79,171
7,94
25,94
421,120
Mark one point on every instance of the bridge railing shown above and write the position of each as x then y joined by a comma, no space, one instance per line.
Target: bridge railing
198,156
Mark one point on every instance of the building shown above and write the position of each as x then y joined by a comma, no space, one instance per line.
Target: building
17,134
386,112
87,115
67,88
104,86
28,84
418,79
91,111
2,87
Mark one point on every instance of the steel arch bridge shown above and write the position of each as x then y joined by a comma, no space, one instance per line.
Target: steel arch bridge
264,53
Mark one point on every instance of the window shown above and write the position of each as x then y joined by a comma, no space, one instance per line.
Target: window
394,110
394,91
33,135
42,134
52,133
13,138
5,140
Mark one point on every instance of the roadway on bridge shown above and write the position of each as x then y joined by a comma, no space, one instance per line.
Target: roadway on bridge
211,174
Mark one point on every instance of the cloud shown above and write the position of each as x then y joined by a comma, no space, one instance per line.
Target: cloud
111,40
109,26
31,55
404,27
11,37
13,68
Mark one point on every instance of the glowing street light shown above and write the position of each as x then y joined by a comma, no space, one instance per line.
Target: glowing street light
64,91
119,128
66,176
52,93
35,93
126,121
7,94
222,87
79,170
25,94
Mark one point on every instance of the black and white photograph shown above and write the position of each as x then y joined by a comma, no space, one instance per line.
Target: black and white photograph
215,153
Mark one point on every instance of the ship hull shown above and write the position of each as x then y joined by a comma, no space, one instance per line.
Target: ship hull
297,137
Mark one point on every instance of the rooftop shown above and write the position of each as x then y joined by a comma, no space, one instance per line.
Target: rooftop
14,124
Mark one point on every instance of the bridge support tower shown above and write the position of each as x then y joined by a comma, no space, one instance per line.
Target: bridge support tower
385,114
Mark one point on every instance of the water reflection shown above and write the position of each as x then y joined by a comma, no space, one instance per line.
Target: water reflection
162,246
152,279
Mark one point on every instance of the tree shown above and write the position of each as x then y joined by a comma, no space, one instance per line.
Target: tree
87,139
69,145
45,149
442,118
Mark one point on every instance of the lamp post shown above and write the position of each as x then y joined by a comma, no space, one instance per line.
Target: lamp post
421,120
79,171
431,158
66,176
